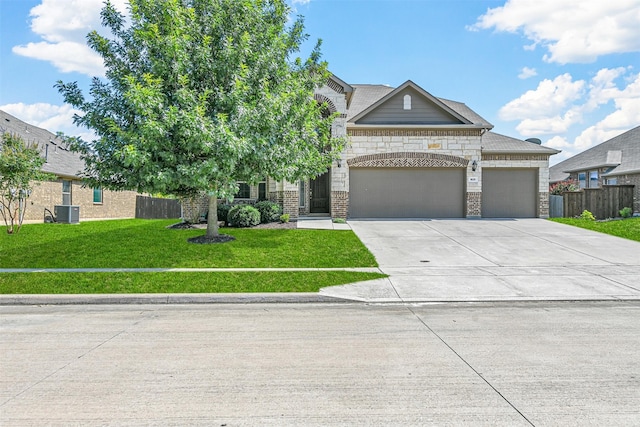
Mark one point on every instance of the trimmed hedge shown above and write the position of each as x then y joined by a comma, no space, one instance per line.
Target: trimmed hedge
269,211
223,212
243,216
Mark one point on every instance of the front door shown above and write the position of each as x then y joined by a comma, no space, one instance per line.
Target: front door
320,191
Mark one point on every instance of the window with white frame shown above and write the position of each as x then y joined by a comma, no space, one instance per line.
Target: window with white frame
593,179
302,193
407,102
66,192
582,179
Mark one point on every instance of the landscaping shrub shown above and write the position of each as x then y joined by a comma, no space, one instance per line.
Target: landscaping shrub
284,218
626,212
223,212
269,211
560,187
243,216
587,215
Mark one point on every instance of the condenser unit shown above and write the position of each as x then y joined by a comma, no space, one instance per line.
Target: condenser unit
67,214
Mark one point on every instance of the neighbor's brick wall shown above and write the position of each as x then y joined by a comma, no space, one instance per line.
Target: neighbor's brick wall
115,204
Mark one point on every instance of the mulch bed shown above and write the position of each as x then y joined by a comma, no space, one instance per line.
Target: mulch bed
203,226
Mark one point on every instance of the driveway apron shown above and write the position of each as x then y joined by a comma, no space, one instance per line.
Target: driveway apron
493,260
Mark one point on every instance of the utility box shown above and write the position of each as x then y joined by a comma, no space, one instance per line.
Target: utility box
67,214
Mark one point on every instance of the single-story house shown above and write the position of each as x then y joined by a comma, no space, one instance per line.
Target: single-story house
67,189
613,162
413,155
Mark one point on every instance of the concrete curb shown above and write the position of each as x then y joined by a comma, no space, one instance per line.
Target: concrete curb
106,299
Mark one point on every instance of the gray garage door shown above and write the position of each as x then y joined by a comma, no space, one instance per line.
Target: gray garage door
509,193
406,193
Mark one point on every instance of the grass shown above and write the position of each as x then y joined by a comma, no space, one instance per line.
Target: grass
628,228
149,244
141,243
185,282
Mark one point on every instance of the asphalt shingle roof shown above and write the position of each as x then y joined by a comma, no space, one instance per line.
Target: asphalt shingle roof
621,154
366,95
60,161
496,143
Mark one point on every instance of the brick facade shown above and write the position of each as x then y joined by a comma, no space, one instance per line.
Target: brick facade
474,204
339,204
115,204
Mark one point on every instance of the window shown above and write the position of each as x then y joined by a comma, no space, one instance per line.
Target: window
582,179
262,191
593,179
302,193
66,192
612,181
244,191
97,195
407,102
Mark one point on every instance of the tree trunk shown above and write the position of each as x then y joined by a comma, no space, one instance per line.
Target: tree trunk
212,217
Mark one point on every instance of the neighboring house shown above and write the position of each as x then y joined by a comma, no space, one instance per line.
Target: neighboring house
67,189
412,155
616,161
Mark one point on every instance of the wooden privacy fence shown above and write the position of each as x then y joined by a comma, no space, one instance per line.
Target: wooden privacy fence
156,208
605,202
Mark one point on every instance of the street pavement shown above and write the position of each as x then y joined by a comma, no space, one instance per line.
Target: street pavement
493,260
489,364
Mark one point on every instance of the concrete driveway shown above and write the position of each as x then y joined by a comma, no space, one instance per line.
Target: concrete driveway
493,260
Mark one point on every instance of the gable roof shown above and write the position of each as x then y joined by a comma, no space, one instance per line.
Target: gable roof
367,98
620,154
496,143
60,161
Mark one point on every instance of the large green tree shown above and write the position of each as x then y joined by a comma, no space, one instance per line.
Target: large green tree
201,94
20,170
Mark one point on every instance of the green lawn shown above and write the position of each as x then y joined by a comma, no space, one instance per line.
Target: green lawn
149,244
184,282
137,243
628,228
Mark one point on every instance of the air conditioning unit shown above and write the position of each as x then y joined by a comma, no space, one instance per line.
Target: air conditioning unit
67,214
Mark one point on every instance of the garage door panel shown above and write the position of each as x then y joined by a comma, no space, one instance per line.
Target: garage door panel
406,193
509,193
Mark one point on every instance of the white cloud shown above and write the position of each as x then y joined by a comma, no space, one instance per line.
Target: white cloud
300,1
66,56
527,72
549,99
572,31
54,118
601,90
63,26
549,125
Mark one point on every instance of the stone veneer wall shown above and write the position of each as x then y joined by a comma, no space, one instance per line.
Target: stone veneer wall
543,204
539,161
115,204
417,148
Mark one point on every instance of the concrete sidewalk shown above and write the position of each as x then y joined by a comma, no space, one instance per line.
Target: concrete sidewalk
442,261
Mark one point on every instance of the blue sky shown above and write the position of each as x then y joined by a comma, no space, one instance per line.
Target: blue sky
564,71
